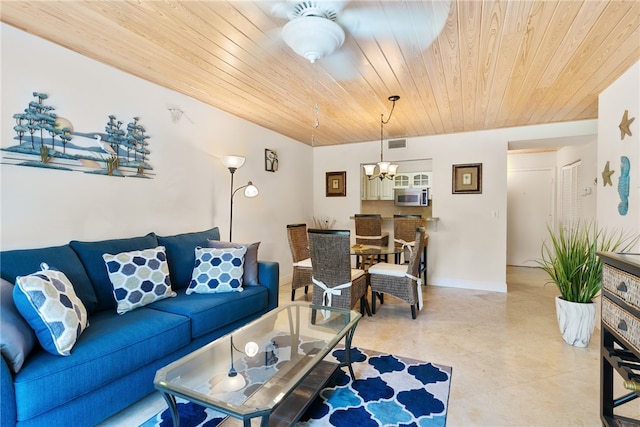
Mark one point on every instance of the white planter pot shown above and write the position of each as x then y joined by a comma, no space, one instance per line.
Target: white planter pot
576,321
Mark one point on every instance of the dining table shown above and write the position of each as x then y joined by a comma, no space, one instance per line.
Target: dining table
368,252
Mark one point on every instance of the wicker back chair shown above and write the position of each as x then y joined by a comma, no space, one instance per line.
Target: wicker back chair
400,280
404,231
299,245
369,230
330,258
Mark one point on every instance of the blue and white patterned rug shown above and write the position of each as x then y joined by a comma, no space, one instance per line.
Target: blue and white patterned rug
389,390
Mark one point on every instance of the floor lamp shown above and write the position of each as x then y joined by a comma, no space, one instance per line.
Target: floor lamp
233,163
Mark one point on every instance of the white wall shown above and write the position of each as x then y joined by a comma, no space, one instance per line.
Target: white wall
191,188
468,249
622,95
584,149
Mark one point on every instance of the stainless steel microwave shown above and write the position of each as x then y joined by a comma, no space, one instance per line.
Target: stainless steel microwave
411,196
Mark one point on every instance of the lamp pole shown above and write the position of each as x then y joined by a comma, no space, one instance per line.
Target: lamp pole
233,193
233,163
232,170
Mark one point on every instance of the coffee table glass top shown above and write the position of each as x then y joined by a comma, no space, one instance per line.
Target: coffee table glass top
248,372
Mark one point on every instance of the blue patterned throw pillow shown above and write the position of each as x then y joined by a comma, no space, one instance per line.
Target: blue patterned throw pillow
217,270
139,277
49,304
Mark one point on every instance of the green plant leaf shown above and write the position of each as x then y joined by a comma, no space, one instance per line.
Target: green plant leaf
570,258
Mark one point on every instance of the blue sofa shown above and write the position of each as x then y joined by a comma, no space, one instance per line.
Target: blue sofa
113,363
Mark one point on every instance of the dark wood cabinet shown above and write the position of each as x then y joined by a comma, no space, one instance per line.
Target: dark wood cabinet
620,338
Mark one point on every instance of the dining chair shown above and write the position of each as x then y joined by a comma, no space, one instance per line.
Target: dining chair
404,231
335,283
400,280
369,230
299,246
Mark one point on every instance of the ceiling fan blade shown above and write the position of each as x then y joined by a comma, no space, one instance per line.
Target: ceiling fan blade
406,22
341,65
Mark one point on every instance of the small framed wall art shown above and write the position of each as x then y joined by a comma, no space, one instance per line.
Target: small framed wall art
337,184
270,160
467,179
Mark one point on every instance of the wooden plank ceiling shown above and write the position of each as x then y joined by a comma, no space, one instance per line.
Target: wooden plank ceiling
495,63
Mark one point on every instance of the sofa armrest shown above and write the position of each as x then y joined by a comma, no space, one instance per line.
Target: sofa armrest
7,396
269,277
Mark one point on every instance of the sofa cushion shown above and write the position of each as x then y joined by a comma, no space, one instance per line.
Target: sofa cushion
181,253
217,270
114,346
16,336
209,312
250,275
25,261
139,277
90,253
49,304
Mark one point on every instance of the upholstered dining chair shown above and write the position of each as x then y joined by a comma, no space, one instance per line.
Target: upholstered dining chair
335,283
404,231
299,245
400,280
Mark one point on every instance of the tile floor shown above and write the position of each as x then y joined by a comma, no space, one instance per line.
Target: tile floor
510,365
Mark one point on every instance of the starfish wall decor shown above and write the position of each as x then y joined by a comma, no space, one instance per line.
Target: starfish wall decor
624,124
606,175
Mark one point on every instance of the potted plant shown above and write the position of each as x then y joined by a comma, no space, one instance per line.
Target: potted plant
570,260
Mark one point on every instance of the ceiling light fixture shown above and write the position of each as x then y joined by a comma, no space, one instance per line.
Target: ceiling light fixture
313,33
385,169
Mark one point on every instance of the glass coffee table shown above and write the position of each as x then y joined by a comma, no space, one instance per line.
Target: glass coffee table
268,371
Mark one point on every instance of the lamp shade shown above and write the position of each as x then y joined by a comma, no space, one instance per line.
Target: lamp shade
251,190
312,36
384,167
234,162
393,169
369,169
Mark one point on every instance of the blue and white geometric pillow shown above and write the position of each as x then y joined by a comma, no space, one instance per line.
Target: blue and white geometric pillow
139,277
217,270
49,304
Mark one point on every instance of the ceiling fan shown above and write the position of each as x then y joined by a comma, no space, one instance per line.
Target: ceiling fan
318,28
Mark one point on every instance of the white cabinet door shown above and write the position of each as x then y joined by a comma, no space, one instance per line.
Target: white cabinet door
373,189
421,179
385,189
402,180
376,189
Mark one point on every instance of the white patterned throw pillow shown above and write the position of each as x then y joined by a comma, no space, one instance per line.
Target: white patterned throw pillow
49,304
217,270
139,277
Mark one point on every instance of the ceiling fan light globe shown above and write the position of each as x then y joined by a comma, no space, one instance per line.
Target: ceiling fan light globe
313,37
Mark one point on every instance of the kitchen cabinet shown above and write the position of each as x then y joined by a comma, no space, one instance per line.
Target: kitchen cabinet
402,180
421,180
376,189
412,180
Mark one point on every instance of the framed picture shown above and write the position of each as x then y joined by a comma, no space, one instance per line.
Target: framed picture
467,179
336,184
270,160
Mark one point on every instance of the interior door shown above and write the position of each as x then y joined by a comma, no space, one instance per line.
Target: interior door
530,207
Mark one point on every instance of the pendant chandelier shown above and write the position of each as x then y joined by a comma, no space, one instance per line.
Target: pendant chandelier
385,169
